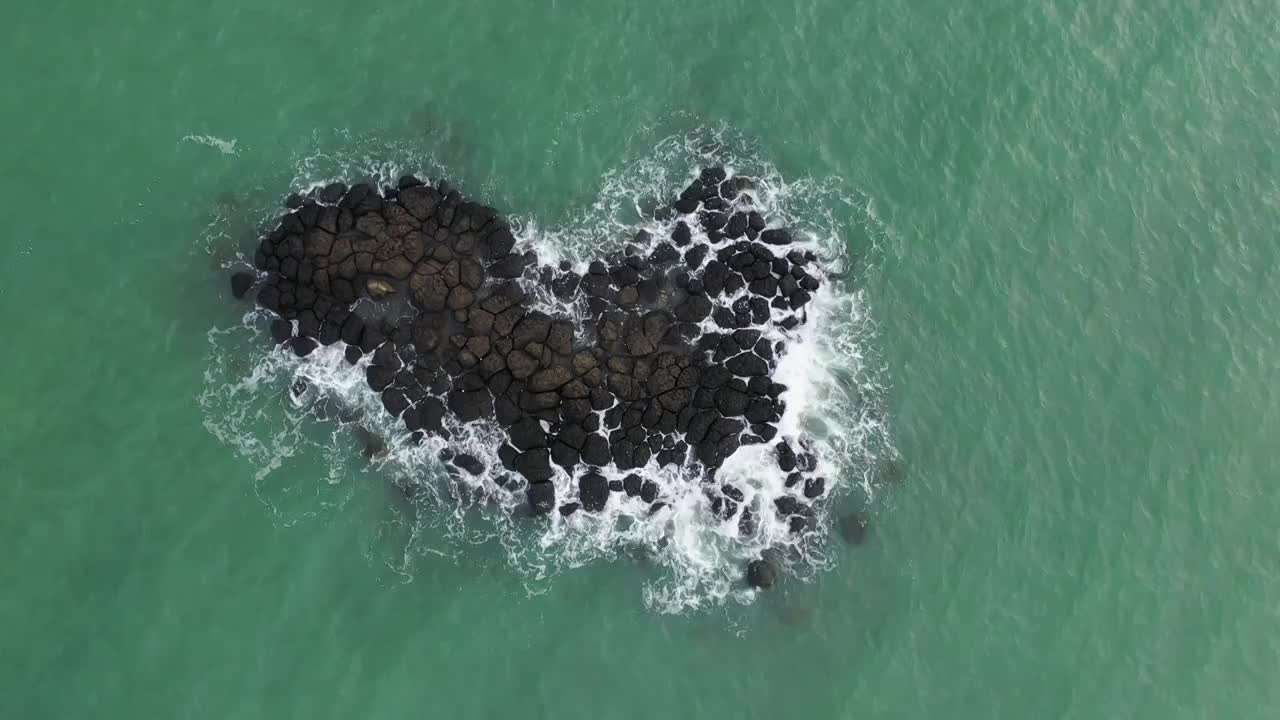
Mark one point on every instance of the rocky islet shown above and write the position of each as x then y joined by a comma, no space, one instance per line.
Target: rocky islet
673,364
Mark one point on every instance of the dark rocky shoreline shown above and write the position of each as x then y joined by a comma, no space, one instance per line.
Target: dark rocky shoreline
673,364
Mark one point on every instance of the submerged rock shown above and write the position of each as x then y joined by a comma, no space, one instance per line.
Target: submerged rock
241,282
853,528
373,445
761,574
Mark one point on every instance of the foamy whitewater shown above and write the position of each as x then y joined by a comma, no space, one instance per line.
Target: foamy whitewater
226,147
275,408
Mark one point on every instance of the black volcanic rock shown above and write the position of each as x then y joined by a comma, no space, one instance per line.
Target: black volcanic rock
535,465
541,497
662,352
593,491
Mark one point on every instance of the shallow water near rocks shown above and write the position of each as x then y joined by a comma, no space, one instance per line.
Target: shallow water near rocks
1059,219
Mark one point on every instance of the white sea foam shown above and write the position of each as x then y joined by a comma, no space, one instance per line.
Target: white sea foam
832,405
226,147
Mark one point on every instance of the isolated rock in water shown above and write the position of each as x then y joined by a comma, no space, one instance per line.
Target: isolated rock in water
462,332
761,574
468,462
813,487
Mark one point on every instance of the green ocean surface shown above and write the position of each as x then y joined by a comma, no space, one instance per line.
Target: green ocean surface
1071,274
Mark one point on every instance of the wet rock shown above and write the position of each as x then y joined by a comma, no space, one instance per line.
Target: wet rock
408,181
566,285
681,235
648,491
786,456
747,364
730,402
303,346
527,434
241,282
776,236
595,451
736,227
510,266
761,574
470,405
814,487
686,205
593,491
695,256
470,463
281,330
534,465
694,309
541,497
564,456
395,401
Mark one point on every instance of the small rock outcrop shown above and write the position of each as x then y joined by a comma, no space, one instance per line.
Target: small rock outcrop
673,365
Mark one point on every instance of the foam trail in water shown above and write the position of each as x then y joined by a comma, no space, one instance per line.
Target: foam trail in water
226,147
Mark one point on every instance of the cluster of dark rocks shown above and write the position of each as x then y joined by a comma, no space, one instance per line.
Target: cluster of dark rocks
673,364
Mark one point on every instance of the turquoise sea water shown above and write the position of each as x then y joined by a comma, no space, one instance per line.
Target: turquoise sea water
1066,215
